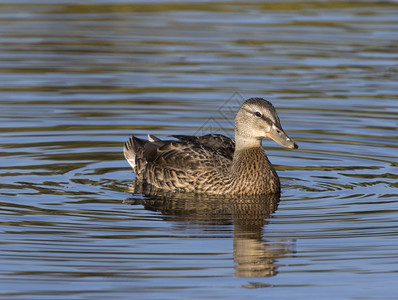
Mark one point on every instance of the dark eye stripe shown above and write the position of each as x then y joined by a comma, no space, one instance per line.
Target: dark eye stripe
266,119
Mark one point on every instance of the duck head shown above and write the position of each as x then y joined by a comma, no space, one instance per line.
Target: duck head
257,119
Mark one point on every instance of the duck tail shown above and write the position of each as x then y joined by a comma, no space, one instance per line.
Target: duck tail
130,150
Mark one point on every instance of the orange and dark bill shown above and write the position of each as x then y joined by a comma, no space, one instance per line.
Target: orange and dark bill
278,135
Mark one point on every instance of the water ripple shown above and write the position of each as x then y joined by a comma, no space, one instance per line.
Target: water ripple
77,79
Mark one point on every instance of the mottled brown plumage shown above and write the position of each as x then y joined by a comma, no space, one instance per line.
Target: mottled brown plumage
213,164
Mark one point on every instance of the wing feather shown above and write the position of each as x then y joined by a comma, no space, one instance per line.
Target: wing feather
178,164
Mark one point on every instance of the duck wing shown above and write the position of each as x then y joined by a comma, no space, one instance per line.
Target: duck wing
178,164
217,142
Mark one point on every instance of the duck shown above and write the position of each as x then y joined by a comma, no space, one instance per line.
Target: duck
213,164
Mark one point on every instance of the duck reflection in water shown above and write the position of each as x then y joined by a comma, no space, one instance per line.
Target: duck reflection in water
253,256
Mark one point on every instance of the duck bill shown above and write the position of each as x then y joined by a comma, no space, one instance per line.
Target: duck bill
278,135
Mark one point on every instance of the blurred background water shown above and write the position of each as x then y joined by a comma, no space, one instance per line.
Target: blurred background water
78,78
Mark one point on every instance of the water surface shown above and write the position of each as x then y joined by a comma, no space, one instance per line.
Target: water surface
76,80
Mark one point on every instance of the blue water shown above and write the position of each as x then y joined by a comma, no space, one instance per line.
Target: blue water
76,80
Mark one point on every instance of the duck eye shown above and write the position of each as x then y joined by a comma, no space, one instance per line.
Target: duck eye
258,114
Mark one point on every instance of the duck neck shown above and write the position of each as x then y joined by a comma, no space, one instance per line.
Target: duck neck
242,143
248,152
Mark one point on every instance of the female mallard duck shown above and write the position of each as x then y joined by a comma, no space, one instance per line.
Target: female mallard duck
214,164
